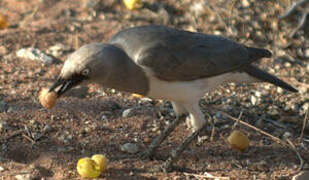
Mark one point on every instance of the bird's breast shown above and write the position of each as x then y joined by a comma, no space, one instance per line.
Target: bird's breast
191,90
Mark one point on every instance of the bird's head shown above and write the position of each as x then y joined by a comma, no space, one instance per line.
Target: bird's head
85,65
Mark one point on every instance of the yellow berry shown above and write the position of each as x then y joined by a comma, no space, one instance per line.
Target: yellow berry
88,168
238,140
132,4
101,161
137,95
3,22
47,99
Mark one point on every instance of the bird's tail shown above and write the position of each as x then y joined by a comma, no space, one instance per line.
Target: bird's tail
264,76
258,53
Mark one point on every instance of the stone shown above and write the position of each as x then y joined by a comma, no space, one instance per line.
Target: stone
47,128
23,177
58,49
254,100
35,55
129,148
287,135
3,106
245,3
128,112
306,53
3,50
198,8
104,118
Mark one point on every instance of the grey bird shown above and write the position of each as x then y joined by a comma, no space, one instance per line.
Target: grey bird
166,63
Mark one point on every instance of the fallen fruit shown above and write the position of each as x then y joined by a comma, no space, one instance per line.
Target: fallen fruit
47,99
101,161
132,4
137,95
88,168
238,140
3,22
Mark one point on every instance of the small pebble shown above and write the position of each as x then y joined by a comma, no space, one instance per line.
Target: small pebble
198,8
306,53
3,50
104,118
202,139
47,128
128,112
259,123
3,125
253,100
245,3
23,177
279,90
129,148
287,135
35,55
57,49
3,106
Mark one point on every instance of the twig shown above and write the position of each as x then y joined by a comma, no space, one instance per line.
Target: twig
16,133
16,173
207,175
236,123
301,24
289,144
28,18
28,138
257,129
301,160
229,29
292,8
304,126
278,124
294,81
76,41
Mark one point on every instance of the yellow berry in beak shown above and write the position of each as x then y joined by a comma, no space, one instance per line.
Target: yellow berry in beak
238,140
47,99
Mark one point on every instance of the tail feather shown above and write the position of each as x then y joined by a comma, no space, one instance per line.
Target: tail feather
264,76
257,53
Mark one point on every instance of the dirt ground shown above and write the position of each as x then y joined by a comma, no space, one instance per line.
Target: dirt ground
46,144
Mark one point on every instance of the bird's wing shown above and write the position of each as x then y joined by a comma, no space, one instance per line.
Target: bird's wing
193,59
175,55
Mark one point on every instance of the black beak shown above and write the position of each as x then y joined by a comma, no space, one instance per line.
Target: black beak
61,85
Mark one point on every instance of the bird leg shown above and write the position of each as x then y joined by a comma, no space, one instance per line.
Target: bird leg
167,165
303,19
198,123
158,140
293,8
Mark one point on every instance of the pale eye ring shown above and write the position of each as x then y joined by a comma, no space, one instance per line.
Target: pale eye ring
85,72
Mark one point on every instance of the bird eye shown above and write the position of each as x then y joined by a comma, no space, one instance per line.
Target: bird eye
85,72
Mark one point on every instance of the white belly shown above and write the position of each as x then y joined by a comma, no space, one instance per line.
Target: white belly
191,90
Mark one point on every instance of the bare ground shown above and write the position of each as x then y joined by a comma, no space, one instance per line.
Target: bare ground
82,124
